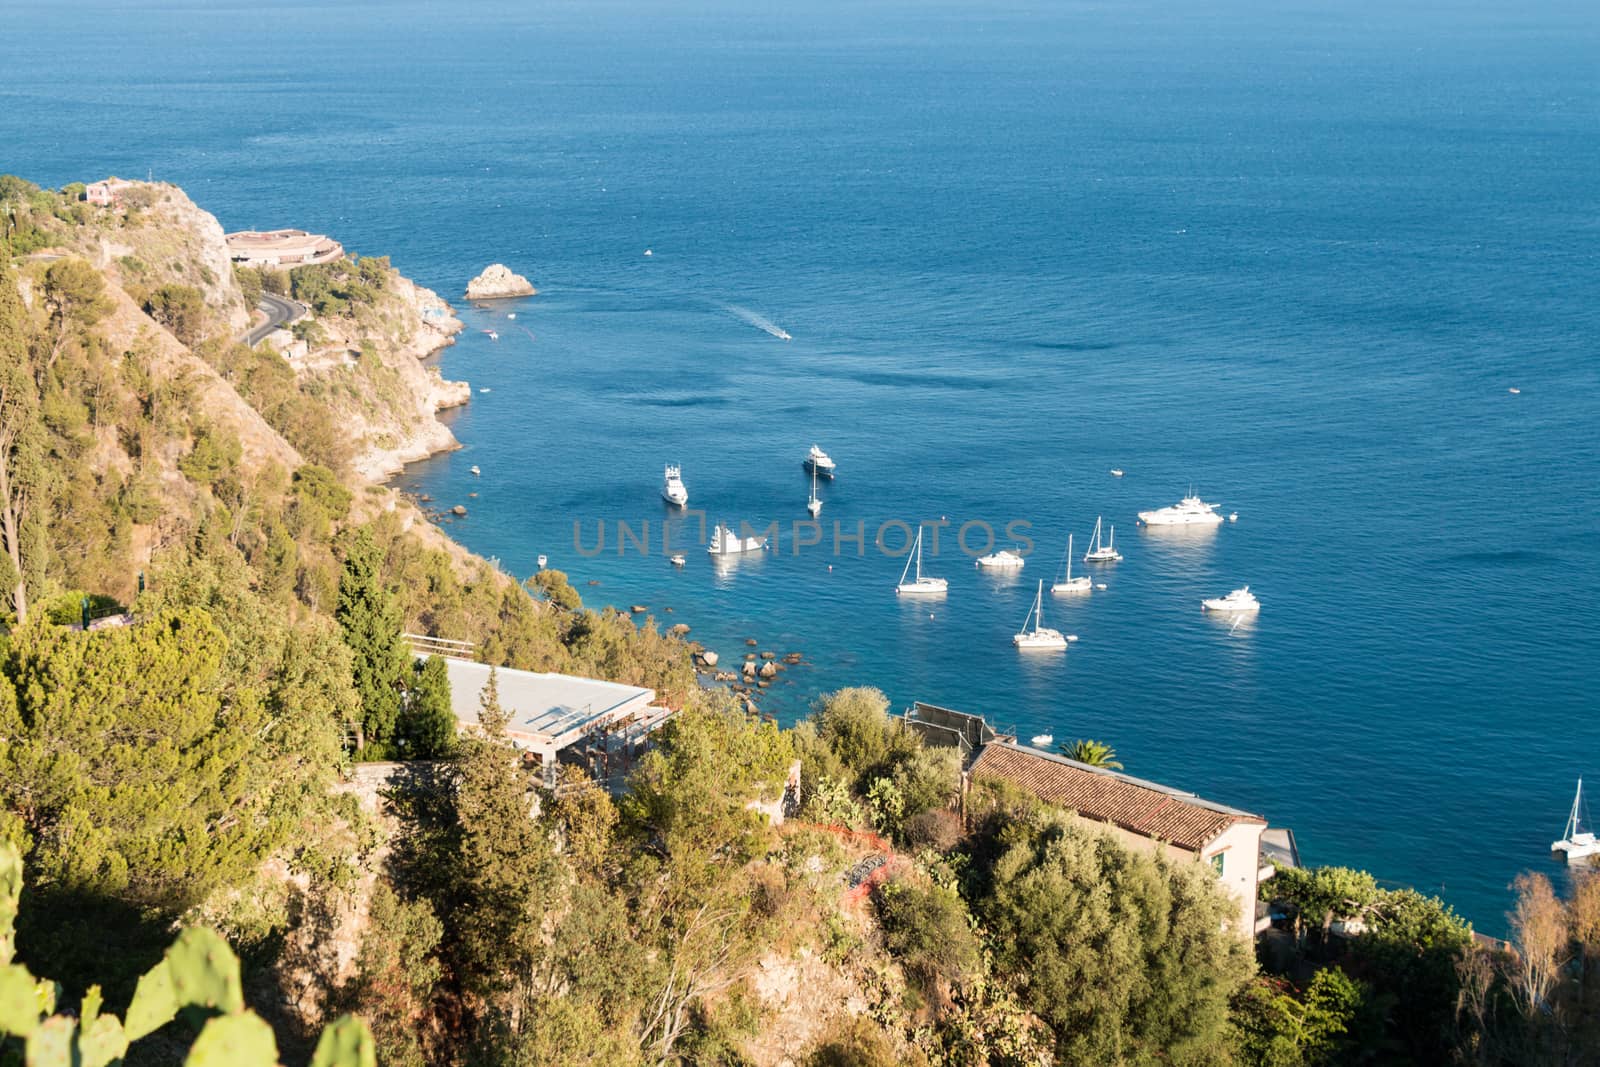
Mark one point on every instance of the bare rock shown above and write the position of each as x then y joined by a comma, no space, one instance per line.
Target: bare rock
639,609
752,642
709,658
497,282
678,629
769,670
769,655
459,509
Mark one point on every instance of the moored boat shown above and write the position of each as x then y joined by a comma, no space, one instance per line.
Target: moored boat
819,462
1576,842
920,584
1240,600
1102,551
673,490
1041,637
1190,511
1069,584
724,542
1003,560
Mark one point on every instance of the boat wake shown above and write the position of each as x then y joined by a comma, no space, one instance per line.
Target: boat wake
760,322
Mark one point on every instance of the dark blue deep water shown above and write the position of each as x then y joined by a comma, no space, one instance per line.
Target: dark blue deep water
1295,254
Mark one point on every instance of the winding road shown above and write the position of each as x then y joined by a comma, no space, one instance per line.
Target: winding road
279,311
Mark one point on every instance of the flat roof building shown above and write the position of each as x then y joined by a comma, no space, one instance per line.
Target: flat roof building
599,724
282,248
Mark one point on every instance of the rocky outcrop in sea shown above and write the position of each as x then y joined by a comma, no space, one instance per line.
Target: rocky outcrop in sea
497,282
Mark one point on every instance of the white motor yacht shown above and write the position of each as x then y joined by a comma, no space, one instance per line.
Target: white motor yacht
1190,511
1003,560
1237,601
1576,842
1041,637
819,463
672,487
724,542
1102,551
1069,584
678,559
919,584
1042,740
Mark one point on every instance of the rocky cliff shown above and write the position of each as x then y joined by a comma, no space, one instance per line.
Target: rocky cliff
497,282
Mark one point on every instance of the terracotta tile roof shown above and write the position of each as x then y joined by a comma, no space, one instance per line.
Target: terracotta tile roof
1144,808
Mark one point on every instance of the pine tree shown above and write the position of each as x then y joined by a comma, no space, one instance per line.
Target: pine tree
427,723
369,620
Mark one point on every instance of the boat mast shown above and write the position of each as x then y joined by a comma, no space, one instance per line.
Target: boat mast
1069,559
1572,820
916,555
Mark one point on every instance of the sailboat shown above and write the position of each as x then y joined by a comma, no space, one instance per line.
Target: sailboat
921,584
1040,637
1576,842
1105,552
813,505
1069,584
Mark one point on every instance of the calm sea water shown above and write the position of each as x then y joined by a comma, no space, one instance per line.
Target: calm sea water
1294,255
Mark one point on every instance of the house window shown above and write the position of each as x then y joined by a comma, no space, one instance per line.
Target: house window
1216,863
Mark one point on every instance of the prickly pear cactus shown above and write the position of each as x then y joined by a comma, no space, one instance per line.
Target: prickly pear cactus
205,972
242,1040
51,1045
346,1042
10,891
24,1000
154,1003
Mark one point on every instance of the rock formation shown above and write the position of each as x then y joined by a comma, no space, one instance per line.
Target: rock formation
496,282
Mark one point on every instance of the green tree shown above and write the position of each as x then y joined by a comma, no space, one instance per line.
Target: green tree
397,975
1128,956
25,471
427,725
1094,753
370,622
927,928
181,309
75,295
854,723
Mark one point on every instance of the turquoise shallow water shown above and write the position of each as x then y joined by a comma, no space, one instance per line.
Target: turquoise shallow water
1293,255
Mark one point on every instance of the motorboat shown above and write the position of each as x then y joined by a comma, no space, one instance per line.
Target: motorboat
1042,740
1576,842
1041,637
1116,472
724,542
1003,560
493,336
919,584
1069,584
672,487
543,559
813,502
648,252
475,469
1240,600
1102,551
678,559
1190,511
817,461
783,335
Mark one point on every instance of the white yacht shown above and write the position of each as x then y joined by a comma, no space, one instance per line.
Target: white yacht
672,488
678,559
1117,472
1102,551
1040,637
813,503
1042,740
724,542
1240,600
1069,584
819,463
1576,842
1190,511
919,584
1003,560
543,559
475,469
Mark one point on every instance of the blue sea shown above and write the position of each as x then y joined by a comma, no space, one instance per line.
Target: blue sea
1293,254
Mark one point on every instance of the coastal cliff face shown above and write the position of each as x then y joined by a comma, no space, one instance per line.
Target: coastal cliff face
368,359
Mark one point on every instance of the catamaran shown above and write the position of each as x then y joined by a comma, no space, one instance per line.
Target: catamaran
819,462
1190,511
1102,552
1003,560
1069,584
814,505
921,584
672,488
1240,600
725,543
1576,842
1040,637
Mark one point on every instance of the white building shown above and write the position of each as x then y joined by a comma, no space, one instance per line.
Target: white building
548,714
282,248
1144,815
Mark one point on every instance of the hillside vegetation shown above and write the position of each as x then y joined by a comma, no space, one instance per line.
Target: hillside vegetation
196,763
